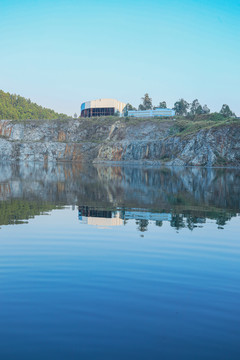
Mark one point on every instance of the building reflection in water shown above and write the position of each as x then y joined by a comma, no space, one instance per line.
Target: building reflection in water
107,218
114,195
98,217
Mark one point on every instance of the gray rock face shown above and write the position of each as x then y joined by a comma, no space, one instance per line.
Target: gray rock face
100,141
218,146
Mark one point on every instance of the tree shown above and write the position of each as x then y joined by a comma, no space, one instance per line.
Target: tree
16,107
75,116
205,109
181,107
163,105
142,224
177,221
130,107
147,102
225,111
141,107
196,108
127,108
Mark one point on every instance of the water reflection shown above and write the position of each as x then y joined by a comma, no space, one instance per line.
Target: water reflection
113,195
108,218
143,286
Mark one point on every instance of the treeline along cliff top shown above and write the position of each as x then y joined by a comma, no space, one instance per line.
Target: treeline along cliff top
15,107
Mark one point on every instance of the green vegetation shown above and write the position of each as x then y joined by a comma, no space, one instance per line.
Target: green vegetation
225,111
129,107
18,211
146,103
184,125
162,105
180,125
15,107
183,108
195,108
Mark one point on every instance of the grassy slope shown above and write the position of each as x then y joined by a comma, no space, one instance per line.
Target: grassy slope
179,126
184,127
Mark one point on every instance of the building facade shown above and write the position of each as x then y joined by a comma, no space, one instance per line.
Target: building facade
152,113
102,107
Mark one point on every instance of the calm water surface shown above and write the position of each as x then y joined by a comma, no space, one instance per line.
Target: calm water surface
119,263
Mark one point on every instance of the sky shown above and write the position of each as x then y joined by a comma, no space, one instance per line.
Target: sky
61,53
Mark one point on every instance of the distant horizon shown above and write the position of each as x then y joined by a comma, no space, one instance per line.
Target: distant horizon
61,54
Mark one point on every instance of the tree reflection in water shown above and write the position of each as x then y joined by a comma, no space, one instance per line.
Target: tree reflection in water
185,197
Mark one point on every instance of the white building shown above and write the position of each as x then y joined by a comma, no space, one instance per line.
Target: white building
102,107
151,113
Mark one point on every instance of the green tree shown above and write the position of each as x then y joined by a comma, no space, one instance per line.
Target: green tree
15,107
196,108
162,105
147,102
206,109
127,108
177,221
142,224
181,107
130,107
141,107
226,112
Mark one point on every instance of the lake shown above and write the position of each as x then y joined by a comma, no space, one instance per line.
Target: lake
110,262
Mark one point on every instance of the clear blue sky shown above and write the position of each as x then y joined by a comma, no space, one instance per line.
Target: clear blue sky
60,53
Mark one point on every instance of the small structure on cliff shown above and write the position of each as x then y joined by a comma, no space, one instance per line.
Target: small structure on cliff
152,113
102,107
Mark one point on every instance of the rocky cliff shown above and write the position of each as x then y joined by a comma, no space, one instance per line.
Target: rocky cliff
111,140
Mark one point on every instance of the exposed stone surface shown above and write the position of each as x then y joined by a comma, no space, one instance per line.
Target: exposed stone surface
99,141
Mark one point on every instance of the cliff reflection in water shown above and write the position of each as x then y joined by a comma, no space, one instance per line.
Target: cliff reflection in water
113,195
